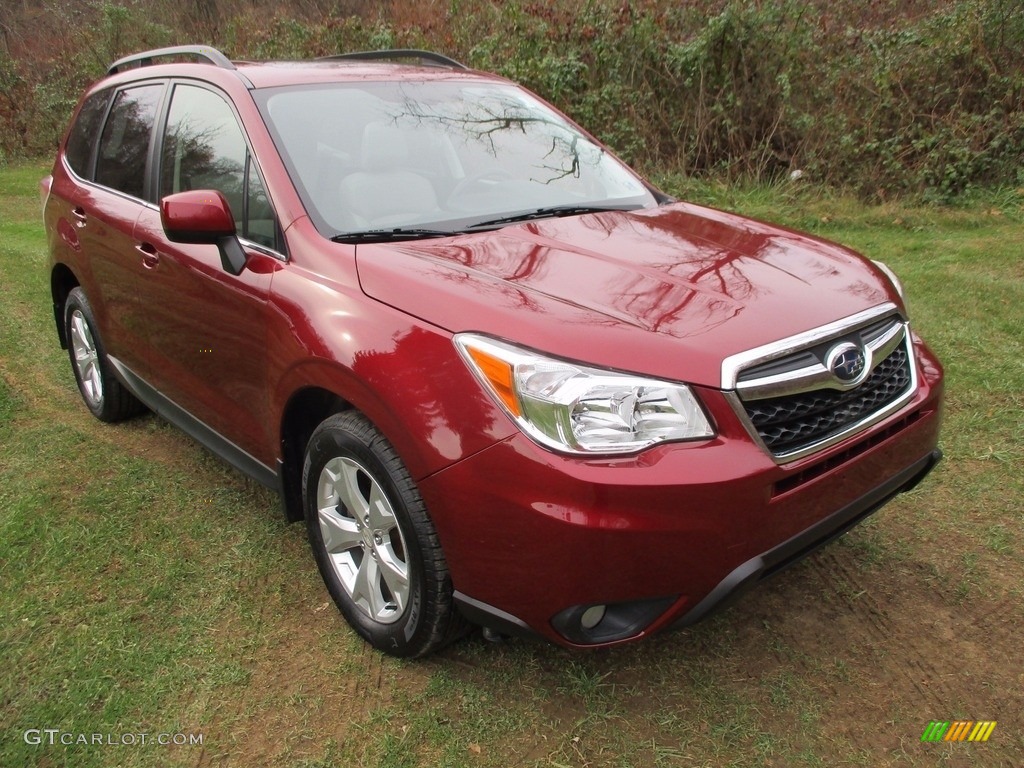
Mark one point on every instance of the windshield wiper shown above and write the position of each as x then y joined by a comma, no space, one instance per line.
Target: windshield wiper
413,233
390,235
551,212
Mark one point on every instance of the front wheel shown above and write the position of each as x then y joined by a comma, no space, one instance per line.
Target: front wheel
375,546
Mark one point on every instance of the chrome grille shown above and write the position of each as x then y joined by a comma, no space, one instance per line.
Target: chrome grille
788,424
796,403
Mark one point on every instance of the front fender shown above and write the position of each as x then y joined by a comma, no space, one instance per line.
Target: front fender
407,378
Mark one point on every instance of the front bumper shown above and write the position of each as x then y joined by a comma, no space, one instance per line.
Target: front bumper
748,574
535,540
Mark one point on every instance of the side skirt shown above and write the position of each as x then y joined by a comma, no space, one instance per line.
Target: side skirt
197,430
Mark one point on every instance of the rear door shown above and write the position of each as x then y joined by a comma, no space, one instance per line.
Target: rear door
100,201
207,328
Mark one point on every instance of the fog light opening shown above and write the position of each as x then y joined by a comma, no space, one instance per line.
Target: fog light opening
595,623
592,616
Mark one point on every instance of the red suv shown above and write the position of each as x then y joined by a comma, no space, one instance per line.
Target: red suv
504,380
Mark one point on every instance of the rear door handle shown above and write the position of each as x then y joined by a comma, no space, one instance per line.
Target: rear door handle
79,215
150,256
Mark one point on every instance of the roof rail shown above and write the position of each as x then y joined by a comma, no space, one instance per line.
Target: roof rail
145,59
427,57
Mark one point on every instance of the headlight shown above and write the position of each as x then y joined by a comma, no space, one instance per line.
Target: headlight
577,409
892,276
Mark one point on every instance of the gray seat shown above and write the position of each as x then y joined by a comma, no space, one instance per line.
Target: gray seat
385,192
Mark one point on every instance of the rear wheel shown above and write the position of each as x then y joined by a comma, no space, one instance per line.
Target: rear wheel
375,546
106,397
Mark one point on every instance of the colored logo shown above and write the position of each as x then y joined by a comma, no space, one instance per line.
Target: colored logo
847,362
958,730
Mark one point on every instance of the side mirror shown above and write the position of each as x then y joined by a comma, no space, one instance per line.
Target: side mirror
203,216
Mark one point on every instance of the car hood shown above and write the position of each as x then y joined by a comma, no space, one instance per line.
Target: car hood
668,292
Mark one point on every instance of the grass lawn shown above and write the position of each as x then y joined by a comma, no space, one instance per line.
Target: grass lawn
149,589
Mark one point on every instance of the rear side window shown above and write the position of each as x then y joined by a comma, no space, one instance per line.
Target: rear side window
124,143
204,148
83,133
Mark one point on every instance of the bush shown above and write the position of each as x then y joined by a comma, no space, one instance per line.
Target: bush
935,107
885,98
57,57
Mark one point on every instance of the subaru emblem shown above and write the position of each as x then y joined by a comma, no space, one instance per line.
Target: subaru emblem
848,363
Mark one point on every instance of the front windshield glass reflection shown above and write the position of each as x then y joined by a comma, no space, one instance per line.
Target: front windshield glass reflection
437,155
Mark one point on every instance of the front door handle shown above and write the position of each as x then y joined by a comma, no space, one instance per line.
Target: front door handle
150,256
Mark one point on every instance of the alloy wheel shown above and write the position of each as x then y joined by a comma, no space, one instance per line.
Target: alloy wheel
363,540
86,357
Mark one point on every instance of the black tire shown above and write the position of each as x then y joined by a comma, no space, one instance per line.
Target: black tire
368,527
104,395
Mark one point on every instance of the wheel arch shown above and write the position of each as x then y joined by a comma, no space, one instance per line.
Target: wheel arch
303,413
422,399
62,282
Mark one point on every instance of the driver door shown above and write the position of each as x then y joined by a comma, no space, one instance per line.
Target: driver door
207,328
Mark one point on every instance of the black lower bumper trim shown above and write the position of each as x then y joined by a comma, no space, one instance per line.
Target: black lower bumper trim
746,575
492,618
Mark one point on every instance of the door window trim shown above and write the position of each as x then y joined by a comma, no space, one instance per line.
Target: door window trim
156,150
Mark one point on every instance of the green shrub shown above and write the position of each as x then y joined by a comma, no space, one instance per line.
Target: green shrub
878,98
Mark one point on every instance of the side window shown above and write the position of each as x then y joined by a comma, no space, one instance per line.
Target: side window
124,143
82,137
204,148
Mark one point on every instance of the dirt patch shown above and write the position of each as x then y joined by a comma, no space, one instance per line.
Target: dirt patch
908,653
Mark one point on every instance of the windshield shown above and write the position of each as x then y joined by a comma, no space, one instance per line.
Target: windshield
438,157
